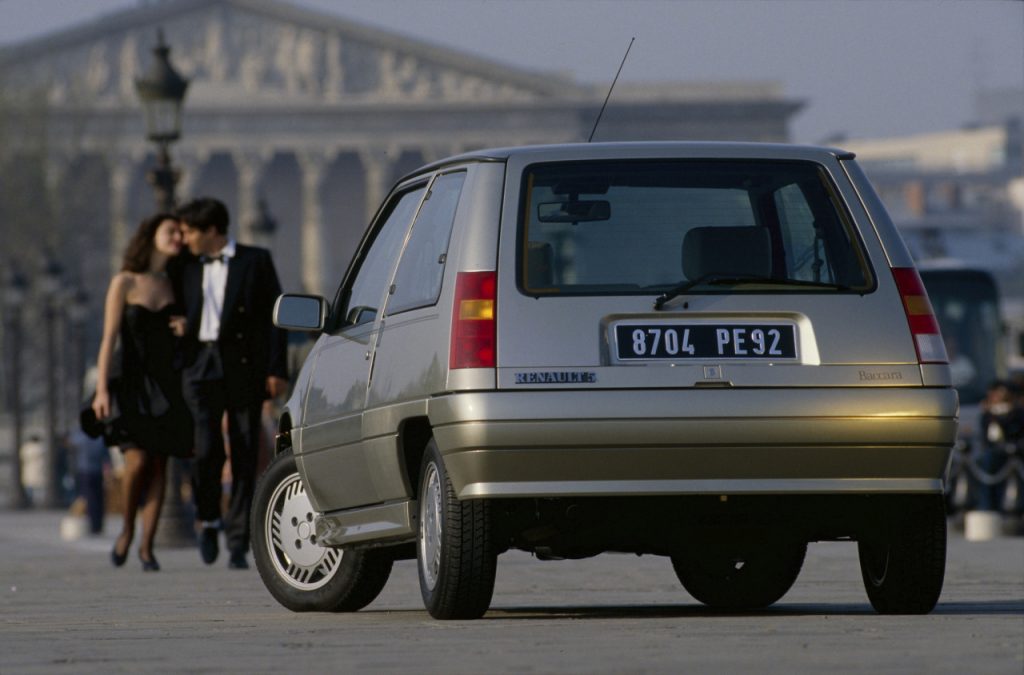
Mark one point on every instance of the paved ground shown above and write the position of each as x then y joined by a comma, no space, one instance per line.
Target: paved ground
64,609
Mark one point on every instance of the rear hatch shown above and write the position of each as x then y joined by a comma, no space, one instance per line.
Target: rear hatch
697,272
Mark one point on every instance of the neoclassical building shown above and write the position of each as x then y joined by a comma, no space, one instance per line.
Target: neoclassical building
314,114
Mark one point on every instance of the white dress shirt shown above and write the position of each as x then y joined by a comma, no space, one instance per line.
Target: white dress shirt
215,281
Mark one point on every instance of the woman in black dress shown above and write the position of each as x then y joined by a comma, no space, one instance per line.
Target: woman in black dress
138,391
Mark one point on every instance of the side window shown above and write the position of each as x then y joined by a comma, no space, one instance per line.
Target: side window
805,255
819,246
370,283
418,280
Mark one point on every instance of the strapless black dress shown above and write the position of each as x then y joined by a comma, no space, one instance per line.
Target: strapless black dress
153,415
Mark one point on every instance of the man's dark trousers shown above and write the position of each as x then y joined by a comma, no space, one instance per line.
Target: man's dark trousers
206,395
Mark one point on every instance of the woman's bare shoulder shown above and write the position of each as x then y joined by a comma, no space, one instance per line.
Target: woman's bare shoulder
123,281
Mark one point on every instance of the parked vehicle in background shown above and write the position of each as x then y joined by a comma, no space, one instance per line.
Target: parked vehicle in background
1013,315
966,303
711,352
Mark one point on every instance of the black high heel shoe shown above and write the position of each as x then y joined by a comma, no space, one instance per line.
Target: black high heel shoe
150,565
117,559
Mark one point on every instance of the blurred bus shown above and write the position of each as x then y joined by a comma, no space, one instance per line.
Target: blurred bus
1013,315
966,302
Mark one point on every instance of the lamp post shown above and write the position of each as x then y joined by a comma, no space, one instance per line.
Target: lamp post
50,286
162,92
14,291
78,313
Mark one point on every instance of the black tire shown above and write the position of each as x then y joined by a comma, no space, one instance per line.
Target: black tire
723,578
455,552
300,574
904,564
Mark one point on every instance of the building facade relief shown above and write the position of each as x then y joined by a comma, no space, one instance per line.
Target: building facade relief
313,115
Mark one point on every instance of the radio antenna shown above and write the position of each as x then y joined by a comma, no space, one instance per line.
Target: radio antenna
605,104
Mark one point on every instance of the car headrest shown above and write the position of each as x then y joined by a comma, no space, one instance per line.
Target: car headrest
540,271
727,251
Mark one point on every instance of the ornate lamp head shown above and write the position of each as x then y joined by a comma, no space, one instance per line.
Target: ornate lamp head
162,92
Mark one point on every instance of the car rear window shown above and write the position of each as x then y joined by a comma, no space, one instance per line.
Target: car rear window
632,227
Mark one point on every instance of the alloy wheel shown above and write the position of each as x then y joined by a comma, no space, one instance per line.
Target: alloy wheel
430,526
291,538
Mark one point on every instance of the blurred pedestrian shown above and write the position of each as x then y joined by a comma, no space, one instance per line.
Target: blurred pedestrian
1002,425
92,460
152,421
65,470
33,468
234,359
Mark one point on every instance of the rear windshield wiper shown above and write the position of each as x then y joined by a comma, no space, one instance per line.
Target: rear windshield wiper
711,278
729,279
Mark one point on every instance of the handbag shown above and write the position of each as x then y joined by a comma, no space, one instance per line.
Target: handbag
94,427
87,420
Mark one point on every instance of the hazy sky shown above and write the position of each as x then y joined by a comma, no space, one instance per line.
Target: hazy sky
864,67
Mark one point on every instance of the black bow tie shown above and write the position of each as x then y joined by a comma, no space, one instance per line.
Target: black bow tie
207,259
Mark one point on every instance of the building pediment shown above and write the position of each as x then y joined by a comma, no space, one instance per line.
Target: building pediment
263,52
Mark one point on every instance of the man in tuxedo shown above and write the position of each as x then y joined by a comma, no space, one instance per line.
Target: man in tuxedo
234,358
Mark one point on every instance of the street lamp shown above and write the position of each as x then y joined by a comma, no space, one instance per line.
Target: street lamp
50,279
78,314
15,289
162,92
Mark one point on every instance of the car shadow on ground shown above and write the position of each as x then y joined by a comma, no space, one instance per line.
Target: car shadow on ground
980,608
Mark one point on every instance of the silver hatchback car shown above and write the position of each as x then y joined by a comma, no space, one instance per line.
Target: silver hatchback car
714,352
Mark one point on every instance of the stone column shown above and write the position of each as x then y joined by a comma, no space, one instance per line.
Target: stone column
433,153
121,167
188,164
313,165
376,165
55,172
250,167
56,169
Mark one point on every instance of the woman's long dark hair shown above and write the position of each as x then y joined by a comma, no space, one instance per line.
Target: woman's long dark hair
140,248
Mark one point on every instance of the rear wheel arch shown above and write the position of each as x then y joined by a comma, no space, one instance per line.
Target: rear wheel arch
413,436
283,441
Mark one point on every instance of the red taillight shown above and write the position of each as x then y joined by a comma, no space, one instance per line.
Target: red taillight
474,317
923,326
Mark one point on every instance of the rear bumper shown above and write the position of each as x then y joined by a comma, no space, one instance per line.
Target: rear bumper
721,441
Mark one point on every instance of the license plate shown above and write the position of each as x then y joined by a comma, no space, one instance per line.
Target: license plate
705,341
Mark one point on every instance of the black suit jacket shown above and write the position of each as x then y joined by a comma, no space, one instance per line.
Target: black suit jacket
251,346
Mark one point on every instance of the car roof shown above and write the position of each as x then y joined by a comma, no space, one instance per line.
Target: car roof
642,150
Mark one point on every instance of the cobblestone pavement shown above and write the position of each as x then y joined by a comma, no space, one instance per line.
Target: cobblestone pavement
64,609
